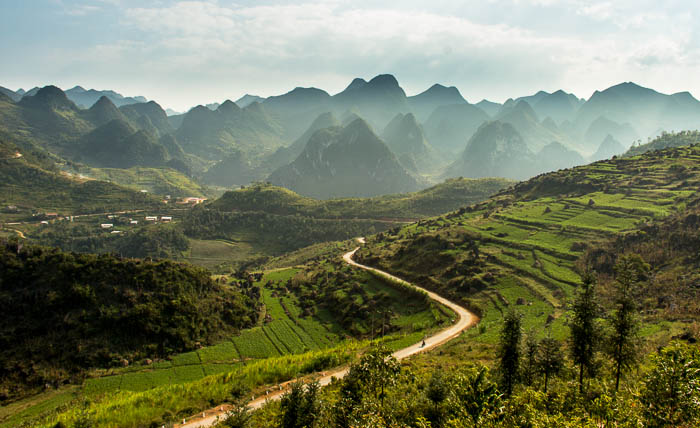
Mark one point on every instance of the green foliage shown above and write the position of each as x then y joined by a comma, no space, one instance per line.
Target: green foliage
622,339
666,140
156,241
585,329
444,197
66,312
550,359
671,392
509,351
300,405
238,417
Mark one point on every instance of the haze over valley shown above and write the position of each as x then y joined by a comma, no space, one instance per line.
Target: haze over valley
336,214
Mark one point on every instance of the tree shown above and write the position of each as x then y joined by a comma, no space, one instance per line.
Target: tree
550,359
437,392
477,396
622,339
238,417
671,392
529,367
509,351
585,329
300,405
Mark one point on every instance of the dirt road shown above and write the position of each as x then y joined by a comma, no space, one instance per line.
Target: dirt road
465,320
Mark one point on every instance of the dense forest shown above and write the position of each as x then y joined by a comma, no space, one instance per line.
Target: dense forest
65,312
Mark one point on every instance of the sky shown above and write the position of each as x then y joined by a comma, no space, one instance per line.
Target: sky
184,53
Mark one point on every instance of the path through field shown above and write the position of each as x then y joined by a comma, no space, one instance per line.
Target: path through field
465,320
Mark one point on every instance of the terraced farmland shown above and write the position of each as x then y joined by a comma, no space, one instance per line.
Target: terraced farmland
520,249
284,330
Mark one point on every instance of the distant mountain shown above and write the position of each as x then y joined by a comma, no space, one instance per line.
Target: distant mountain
645,109
342,162
558,105
449,127
525,120
296,109
171,112
216,134
49,98
104,111
234,170
118,145
437,95
14,96
212,106
489,107
405,138
600,128
495,150
556,156
349,117
29,93
86,98
248,99
285,155
48,118
608,148
376,101
146,114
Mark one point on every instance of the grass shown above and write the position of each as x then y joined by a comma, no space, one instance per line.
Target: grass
530,237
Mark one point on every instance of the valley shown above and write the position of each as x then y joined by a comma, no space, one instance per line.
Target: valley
160,265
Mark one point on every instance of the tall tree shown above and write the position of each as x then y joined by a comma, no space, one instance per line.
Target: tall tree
585,328
550,359
623,337
530,351
509,351
300,405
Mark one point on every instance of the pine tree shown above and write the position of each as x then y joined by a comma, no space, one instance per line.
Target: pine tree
622,340
550,359
530,353
509,351
585,329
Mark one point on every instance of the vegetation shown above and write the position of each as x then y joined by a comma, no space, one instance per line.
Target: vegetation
665,141
467,395
447,196
66,312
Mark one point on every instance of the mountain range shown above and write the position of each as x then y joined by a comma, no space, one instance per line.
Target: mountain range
231,143
345,161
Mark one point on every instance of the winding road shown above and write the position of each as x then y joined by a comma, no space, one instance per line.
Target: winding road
465,320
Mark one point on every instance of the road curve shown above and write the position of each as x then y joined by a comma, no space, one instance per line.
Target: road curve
465,320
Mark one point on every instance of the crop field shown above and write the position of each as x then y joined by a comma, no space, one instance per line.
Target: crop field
285,331
529,240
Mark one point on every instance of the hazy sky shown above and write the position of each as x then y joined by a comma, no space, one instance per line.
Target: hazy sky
183,53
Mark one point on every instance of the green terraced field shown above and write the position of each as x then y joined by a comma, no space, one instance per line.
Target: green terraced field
530,237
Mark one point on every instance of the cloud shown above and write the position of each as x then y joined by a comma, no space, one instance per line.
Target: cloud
190,51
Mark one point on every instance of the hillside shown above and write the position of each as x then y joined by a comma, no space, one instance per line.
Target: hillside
450,126
525,244
404,136
117,145
33,188
608,148
285,155
65,313
215,134
665,141
342,162
444,197
495,150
